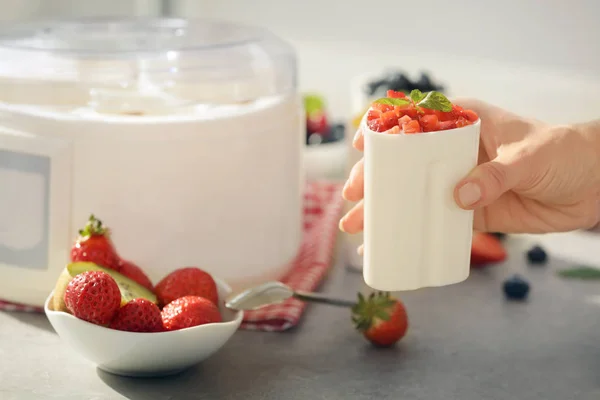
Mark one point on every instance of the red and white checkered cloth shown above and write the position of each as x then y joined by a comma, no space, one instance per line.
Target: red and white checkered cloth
322,207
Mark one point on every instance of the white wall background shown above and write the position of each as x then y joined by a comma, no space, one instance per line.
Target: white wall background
536,57
521,54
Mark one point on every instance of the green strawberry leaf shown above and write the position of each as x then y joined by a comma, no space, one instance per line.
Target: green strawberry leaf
436,101
392,102
382,315
583,273
416,95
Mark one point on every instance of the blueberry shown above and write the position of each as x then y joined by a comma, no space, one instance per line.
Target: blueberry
516,288
537,255
399,82
372,87
425,81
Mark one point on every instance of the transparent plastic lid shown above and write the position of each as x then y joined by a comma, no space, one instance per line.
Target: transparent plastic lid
141,66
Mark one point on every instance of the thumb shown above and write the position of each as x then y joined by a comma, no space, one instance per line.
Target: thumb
486,183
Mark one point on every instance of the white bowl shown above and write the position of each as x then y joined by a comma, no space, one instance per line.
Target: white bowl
145,354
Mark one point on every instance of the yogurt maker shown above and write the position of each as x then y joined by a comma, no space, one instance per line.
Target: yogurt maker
184,137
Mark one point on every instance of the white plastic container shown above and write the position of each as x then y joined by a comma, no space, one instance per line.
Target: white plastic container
415,235
184,137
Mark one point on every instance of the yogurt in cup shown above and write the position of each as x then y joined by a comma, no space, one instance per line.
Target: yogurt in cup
415,235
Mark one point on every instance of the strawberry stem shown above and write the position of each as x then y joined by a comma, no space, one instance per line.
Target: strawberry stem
93,227
366,311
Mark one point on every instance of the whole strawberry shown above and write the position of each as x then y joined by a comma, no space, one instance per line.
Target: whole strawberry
190,281
94,245
135,273
381,318
189,311
138,315
93,296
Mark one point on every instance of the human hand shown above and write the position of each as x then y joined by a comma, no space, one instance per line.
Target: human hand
532,177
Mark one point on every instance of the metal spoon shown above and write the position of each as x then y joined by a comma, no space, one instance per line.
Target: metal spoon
273,293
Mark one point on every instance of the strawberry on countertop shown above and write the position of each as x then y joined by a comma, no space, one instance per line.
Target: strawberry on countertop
189,311
486,248
93,296
190,281
381,318
94,245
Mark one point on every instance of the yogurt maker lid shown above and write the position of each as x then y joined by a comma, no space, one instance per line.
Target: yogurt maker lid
123,65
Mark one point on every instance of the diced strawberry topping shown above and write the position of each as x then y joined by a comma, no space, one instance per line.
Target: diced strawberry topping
392,94
430,123
382,107
389,118
412,127
445,125
411,114
404,120
471,115
461,121
373,114
411,111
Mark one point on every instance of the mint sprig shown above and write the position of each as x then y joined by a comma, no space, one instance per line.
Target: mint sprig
416,95
431,100
392,101
435,101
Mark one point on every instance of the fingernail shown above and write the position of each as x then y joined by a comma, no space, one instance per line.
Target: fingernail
356,136
469,194
360,250
340,225
346,186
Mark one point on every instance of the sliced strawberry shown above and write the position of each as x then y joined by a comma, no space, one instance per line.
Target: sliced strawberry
94,245
486,248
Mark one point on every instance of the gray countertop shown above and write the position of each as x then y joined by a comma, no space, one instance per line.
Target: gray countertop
465,342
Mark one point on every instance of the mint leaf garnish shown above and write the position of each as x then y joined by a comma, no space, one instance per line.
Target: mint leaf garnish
392,101
416,95
435,101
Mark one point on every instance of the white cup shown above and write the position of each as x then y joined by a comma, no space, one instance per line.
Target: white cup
415,235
